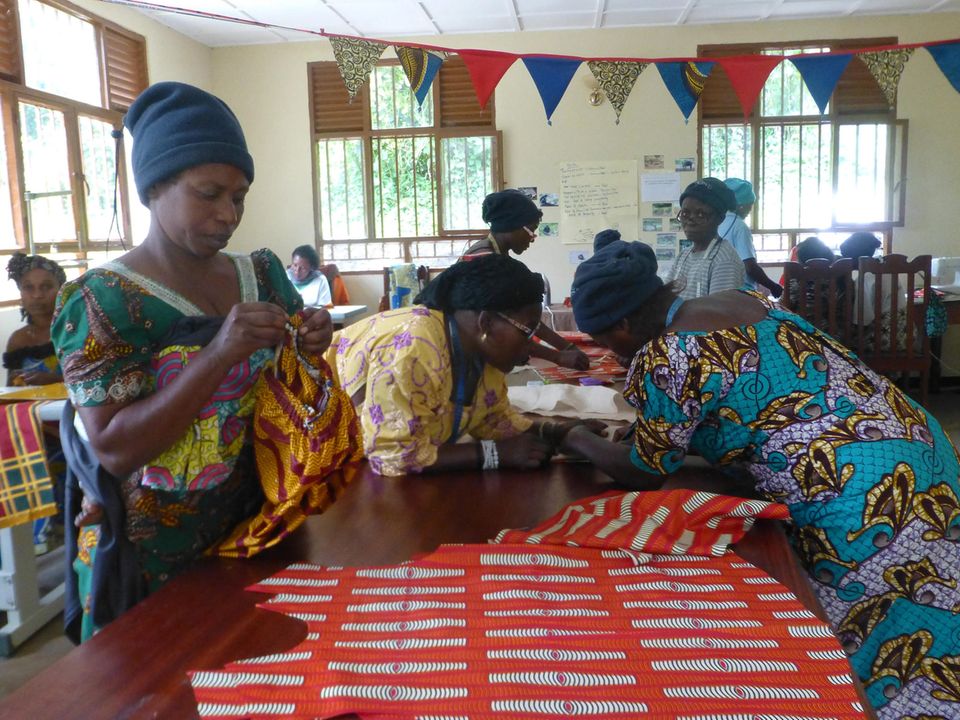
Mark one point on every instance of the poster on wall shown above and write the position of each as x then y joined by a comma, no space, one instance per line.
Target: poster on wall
595,195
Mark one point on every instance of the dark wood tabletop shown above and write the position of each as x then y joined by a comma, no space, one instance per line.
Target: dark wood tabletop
136,667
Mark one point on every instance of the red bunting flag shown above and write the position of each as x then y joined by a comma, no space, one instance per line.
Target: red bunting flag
747,75
486,67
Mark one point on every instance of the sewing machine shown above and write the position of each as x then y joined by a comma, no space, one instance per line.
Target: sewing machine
945,274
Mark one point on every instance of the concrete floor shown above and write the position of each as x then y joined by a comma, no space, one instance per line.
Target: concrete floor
49,645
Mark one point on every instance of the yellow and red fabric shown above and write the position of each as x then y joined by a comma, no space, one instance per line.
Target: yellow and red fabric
26,487
604,367
550,631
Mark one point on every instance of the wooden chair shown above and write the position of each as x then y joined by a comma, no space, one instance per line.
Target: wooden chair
821,292
423,277
896,341
338,291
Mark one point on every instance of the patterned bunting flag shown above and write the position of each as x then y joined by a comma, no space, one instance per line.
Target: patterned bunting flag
684,81
552,76
747,74
886,66
947,58
616,79
420,67
821,73
486,68
355,59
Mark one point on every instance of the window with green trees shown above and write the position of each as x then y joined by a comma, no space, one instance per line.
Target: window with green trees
395,182
815,174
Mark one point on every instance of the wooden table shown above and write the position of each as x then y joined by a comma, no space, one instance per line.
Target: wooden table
135,667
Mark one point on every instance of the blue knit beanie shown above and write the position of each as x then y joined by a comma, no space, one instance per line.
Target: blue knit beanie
509,210
613,283
742,190
176,126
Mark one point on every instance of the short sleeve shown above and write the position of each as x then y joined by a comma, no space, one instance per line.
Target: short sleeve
672,395
101,340
403,417
494,417
323,291
741,238
273,284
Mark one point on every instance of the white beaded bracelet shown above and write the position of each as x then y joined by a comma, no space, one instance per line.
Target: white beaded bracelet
491,459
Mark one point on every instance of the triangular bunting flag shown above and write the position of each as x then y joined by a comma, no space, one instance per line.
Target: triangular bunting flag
616,79
684,81
355,59
947,58
420,67
552,76
820,74
886,66
747,74
486,67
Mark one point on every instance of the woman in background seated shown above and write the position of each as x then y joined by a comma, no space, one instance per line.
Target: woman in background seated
812,248
710,264
871,480
30,359
304,273
514,219
161,351
422,377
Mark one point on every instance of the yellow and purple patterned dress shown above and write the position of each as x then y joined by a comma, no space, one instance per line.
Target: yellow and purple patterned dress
121,336
401,358
869,476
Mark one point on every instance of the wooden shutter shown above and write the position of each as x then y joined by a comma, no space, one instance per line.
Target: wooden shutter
10,65
330,108
125,58
857,93
459,106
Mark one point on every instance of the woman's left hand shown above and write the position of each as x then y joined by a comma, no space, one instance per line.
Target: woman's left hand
574,358
316,330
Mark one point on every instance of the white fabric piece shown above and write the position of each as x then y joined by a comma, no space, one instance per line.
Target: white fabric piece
573,401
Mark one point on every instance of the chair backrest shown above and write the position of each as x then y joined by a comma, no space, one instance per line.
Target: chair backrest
821,292
338,290
897,290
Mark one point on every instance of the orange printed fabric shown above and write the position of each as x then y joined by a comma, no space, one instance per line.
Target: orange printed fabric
665,522
307,446
604,367
541,631
26,488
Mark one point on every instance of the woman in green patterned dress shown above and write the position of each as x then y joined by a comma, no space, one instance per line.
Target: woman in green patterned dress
870,478
160,351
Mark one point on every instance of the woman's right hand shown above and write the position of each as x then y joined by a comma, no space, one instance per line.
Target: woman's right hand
249,327
523,452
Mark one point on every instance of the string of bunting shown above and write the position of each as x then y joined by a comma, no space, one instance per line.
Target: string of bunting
684,78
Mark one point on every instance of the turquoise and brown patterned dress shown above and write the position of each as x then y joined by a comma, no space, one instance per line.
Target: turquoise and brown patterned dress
869,476
121,336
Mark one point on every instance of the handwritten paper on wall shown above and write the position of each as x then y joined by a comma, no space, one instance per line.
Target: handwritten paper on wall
595,196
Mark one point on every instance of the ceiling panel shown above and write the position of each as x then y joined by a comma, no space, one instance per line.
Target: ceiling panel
388,18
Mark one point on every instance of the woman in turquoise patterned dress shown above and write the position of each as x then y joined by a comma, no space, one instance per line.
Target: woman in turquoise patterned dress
161,350
870,478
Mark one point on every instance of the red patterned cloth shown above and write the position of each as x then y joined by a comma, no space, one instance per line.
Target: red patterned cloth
548,631
603,365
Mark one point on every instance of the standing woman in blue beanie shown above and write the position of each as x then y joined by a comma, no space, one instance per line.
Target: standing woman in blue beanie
514,219
871,480
166,467
710,264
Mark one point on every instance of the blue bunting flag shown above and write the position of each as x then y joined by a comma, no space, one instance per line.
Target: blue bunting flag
820,74
684,81
947,58
552,76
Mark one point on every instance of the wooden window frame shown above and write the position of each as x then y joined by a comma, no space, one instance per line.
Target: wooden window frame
462,121
123,75
859,103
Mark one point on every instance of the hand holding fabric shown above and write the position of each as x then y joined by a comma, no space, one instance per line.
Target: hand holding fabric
249,327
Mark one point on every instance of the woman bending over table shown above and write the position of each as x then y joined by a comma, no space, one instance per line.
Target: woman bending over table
424,376
870,478
176,307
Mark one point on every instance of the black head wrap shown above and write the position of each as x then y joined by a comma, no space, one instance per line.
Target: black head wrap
860,244
613,283
509,210
814,247
713,192
489,282
20,264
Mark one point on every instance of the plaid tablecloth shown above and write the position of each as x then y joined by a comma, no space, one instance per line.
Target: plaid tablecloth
26,487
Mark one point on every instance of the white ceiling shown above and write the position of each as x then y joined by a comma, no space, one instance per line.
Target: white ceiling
396,18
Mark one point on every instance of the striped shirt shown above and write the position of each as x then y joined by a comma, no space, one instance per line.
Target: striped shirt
715,269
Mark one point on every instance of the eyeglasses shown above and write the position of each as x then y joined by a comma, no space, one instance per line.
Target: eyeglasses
531,233
527,332
695,215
